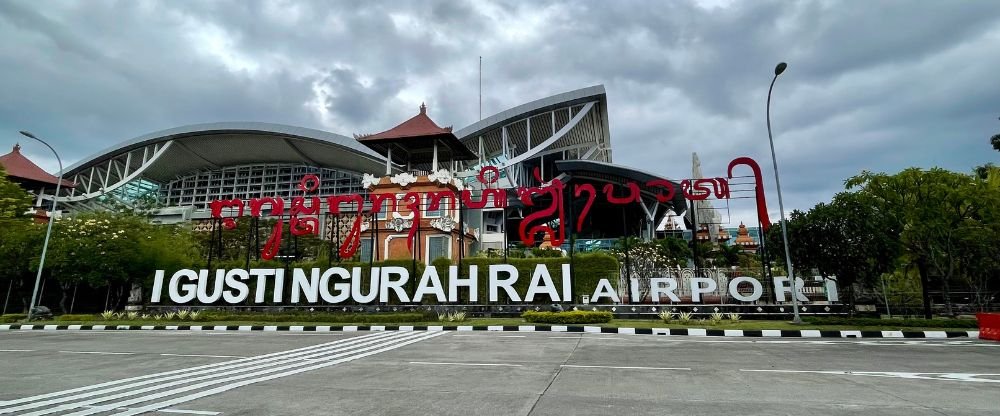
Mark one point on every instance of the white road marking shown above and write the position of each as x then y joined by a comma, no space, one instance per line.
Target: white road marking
204,355
873,342
625,368
409,339
971,377
467,364
16,350
188,412
236,373
489,336
133,382
180,411
316,334
98,352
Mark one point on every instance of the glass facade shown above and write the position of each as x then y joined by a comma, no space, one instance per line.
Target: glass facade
253,181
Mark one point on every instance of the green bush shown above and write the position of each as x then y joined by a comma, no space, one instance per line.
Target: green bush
12,317
441,263
546,253
568,317
901,323
587,270
84,317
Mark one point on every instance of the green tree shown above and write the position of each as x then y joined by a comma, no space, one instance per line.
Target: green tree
995,140
936,209
675,251
19,240
850,239
14,200
114,250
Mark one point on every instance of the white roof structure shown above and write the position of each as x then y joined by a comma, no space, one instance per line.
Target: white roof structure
573,124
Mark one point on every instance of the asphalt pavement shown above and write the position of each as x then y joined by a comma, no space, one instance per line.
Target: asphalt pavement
453,373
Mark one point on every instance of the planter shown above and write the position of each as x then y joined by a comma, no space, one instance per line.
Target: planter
989,326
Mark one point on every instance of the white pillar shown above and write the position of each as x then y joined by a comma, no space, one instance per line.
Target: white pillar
388,162
434,164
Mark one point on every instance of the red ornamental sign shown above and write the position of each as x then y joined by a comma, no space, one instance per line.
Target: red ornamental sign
304,210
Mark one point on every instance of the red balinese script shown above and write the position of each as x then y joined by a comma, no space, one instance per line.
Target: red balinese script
304,211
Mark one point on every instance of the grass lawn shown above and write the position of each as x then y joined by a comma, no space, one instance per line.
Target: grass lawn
625,323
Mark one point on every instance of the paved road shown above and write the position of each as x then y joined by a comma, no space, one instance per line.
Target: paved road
451,373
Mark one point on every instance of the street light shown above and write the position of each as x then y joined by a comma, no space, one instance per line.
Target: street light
48,231
781,206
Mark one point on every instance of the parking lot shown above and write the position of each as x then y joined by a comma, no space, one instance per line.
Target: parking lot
461,373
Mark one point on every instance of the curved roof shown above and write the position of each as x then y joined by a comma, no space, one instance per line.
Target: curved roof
582,95
18,166
611,173
214,145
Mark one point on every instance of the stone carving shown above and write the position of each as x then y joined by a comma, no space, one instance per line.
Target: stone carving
403,179
399,224
445,224
368,180
442,176
135,295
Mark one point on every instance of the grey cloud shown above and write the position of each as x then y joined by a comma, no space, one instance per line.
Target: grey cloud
878,86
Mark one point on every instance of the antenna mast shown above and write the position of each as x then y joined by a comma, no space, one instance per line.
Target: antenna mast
480,87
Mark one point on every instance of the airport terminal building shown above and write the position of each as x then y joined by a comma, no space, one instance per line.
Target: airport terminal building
184,169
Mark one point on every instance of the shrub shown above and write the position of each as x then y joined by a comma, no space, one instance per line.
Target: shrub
685,317
452,317
587,270
568,317
734,317
132,315
666,316
715,318
85,317
12,317
901,323
441,263
108,315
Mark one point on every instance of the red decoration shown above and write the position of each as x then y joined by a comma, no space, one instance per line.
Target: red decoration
555,192
758,187
591,196
304,211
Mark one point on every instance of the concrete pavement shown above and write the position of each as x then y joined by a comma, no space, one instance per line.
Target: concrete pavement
453,373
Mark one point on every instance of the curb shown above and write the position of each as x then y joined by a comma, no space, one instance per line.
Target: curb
765,333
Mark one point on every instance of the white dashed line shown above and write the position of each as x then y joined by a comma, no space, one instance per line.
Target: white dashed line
98,352
467,364
490,336
203,355
969,377
626,368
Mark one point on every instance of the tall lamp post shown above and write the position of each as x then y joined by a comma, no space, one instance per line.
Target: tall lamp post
781,206
48,230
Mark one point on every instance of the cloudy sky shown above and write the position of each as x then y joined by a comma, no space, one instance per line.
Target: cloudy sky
870,85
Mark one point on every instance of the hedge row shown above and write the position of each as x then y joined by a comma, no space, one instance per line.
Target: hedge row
586,269
901,323
12,317
568,317
361,318
78,317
